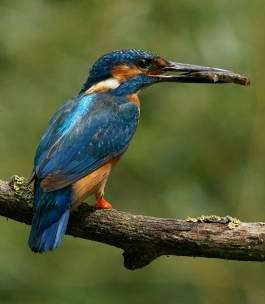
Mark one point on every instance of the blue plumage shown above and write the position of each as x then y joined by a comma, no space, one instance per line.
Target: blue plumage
87,136
93,129
84,134
50,218
87,132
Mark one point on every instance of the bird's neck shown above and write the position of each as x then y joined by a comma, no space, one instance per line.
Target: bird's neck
130,90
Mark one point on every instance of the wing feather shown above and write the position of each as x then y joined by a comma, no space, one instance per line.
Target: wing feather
83,135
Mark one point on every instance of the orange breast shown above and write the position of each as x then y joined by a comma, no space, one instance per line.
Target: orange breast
91,183
134,98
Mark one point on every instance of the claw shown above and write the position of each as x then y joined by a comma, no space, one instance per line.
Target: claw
103,204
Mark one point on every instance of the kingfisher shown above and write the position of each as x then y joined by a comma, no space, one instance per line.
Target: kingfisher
88,135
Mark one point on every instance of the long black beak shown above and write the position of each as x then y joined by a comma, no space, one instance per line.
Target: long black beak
200,74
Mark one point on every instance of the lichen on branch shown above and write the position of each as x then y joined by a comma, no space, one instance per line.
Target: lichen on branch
145,238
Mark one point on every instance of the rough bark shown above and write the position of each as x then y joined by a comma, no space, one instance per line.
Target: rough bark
144,238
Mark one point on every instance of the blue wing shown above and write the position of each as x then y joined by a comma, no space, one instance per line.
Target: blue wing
84,134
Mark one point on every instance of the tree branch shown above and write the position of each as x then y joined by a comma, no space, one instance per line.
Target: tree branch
144,238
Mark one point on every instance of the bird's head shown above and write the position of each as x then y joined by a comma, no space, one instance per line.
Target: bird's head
125,72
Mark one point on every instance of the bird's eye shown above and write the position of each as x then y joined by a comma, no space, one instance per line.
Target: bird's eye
144,63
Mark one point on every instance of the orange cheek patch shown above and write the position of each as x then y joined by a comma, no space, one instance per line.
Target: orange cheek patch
124,72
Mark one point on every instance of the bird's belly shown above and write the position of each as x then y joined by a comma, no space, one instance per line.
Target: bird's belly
92,183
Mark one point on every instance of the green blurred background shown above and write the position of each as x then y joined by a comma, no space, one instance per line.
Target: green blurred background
199,149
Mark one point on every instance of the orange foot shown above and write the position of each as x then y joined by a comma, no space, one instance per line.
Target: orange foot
103,204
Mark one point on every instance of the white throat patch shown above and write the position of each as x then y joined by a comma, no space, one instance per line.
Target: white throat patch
104,86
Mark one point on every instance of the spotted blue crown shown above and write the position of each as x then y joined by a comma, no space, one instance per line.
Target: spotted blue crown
103,66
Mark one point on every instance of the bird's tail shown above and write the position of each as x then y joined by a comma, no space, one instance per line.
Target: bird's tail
50,218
